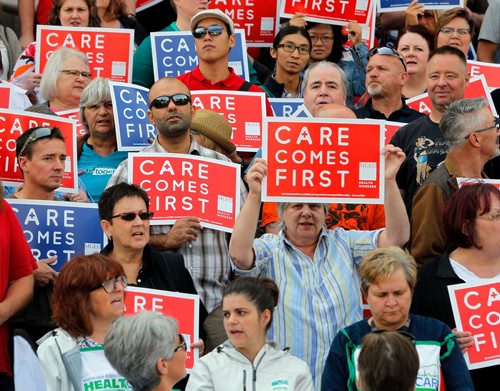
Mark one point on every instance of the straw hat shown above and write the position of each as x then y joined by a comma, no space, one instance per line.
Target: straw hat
215,127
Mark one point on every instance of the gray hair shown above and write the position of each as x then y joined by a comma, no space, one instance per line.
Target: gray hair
53,68
136,343
460,118
324,64
95,94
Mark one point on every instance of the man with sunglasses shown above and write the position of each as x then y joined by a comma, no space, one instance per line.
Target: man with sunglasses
205,250
386,76
213,33
473,136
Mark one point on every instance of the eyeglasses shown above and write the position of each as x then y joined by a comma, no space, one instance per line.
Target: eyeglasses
182,346
492,217
290,48
213,31
163,101
385,51
495,125
111,286
129,216
75,73
39,133
451,31
322,38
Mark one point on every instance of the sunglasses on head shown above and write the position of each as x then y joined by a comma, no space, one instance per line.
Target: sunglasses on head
163,101
385,51
39,133
213,31
129,216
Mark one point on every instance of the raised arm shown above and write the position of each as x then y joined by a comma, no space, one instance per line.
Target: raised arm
397,231
241,244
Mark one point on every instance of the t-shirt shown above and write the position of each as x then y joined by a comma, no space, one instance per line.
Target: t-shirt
95,170
425,147
16,261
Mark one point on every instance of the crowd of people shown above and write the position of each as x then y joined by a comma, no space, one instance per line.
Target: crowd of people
281,297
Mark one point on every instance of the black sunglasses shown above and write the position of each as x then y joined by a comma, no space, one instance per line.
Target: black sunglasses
385,51
213,31
163,101
129,216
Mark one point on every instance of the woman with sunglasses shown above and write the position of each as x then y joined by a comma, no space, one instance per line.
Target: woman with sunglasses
88,297
159,359
125,216
388,277
472,225
245,361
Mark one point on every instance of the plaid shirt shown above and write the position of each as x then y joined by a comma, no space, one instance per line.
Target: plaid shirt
207,258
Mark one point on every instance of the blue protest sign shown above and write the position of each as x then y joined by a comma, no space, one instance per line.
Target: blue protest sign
174,54
65,229
130,111
285,107
402,5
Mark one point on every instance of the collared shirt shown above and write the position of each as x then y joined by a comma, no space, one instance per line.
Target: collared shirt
403,114
317,296
195,80
207,258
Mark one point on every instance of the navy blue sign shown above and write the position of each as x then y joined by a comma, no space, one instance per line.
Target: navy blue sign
59,228
130,110
174,54
285,107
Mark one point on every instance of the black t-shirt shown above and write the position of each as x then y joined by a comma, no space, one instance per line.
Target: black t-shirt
425,147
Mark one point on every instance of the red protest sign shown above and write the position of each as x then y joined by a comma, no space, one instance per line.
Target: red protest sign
245,112
258,18
490,71
391,127
74,114
476,308
188,185
109,50
367,31
326,160
13,124
329,11
5,96
181,306
141,5
477,88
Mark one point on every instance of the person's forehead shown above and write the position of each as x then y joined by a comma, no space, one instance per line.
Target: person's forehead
294,38
320,29
457,22
379,59
325,74
48,145
167,87
210,22
445,63
75,62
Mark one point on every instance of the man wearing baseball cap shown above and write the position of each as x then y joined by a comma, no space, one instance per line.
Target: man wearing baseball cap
214,37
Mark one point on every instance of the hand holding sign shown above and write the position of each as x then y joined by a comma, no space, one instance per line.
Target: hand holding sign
255,175
44,275
394,157
464,339
186,229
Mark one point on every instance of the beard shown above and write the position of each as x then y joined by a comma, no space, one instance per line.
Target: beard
173,130
374,89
